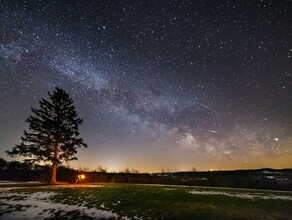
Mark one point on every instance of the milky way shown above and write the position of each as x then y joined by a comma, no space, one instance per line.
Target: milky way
160,85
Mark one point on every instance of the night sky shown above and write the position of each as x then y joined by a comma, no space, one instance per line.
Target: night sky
161,85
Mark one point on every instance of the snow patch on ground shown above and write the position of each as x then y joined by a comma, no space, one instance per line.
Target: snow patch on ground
170,189
74,186
242,195
38,205
12,186
6,182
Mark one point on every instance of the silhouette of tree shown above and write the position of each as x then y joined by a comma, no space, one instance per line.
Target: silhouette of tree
53,135
3,164
16,165
101,169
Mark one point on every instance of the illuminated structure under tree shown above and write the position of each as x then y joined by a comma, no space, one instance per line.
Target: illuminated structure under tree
54,132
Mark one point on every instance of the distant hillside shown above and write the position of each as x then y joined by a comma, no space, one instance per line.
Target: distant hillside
274,179
267,178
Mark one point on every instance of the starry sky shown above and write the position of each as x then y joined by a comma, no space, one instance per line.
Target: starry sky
161,85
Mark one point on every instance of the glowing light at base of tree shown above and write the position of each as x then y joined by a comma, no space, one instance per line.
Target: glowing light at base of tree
82,177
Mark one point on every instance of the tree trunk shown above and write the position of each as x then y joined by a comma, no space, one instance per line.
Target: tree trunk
54,173
54,166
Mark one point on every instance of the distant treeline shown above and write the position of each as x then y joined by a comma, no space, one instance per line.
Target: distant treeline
254,179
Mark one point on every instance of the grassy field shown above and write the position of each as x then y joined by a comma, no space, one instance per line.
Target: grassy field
125,201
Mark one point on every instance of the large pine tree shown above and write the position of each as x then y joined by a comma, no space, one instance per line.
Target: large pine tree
53,135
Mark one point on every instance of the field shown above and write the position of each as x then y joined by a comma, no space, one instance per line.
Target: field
129,201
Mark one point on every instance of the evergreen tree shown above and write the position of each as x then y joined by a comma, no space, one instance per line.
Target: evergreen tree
3,164
53,135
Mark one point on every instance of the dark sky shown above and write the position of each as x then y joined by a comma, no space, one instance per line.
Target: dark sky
160,84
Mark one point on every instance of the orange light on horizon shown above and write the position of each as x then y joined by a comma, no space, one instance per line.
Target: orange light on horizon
82,177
